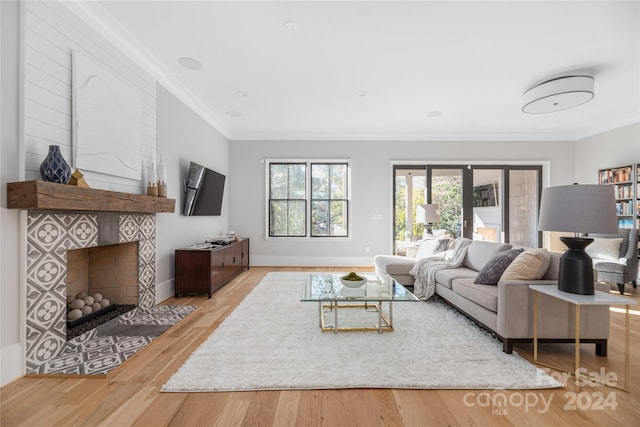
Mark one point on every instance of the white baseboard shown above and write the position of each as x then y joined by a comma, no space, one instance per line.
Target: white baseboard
164,290
12,367
310,261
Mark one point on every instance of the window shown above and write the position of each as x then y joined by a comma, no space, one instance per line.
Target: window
309,199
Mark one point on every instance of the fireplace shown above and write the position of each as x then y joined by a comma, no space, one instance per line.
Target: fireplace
100,280
52,239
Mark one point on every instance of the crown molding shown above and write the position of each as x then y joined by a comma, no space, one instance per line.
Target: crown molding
101,21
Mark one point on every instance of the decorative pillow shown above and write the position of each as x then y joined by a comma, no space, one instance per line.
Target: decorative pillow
529,265
604,249
430,247
492,271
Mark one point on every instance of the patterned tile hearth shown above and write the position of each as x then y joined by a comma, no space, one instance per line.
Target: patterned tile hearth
106,347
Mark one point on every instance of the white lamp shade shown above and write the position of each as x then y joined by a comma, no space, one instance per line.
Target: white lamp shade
426,214
578,209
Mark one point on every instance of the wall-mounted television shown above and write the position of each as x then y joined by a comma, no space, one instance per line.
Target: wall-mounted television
203,193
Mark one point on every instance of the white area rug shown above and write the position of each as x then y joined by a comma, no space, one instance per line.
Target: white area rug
272,341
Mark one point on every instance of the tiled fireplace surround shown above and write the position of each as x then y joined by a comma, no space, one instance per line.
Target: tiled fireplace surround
49,236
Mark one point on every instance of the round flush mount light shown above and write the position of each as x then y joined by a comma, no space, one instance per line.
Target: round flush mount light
558,94
241,94
233,113
434,114
190,63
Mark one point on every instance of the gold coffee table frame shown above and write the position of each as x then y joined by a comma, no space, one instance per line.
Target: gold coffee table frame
332,296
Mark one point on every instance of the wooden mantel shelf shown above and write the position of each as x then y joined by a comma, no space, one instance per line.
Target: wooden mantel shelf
42,195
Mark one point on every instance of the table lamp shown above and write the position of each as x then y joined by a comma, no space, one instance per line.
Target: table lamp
578,209
427,214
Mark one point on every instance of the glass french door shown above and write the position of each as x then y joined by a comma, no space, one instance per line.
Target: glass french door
497,203
488,203
446,188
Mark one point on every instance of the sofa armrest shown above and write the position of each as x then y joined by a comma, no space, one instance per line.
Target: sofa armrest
515,307
556,317
398,267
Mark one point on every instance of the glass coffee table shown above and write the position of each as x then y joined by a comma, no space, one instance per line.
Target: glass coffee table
332,296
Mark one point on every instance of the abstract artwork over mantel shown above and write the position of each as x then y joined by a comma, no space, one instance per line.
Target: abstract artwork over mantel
107,117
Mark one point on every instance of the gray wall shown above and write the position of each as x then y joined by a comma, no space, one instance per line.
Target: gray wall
184,137
371,182
618,147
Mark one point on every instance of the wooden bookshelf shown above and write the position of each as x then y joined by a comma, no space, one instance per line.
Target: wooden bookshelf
42,195
625,181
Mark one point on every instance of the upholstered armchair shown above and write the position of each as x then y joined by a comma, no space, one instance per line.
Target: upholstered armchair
622,270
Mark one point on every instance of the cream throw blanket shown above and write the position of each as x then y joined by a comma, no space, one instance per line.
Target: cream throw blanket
424,270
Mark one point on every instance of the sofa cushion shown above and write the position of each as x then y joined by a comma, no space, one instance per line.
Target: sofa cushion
480,252
447,275
531,264
430,247
605,249
492,271
483,295
554,267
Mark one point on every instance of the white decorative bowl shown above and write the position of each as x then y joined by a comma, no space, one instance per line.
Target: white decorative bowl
353,283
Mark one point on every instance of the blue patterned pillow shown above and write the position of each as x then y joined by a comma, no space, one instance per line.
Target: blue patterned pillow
492,271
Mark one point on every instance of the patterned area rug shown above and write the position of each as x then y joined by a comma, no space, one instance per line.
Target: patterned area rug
106,347
272,341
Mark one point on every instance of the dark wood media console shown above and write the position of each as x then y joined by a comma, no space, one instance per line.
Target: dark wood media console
205,270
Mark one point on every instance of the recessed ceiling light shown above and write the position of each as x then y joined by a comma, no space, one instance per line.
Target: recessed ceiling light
241,94
233,113
289,25
362,93
434,114
190,63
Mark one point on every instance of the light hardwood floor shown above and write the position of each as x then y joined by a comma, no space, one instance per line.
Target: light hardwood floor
131,396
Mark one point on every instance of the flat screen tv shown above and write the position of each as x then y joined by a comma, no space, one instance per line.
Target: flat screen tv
204,189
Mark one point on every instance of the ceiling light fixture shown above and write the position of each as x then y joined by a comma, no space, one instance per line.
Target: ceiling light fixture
233,113
434,114
362,93
241,94
190,63
560,93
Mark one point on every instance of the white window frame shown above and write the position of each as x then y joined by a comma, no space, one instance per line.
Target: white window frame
308,162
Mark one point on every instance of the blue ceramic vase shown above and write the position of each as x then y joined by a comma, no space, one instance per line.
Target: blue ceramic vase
54,168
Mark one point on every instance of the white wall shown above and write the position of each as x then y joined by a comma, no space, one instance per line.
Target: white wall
184,137
617,147
371,190
11,354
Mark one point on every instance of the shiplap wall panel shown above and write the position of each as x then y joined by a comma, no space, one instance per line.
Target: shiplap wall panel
52,34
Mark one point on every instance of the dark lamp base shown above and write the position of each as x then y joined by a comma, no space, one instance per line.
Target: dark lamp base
576,268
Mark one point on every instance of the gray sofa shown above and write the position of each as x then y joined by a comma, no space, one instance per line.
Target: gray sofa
506,309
